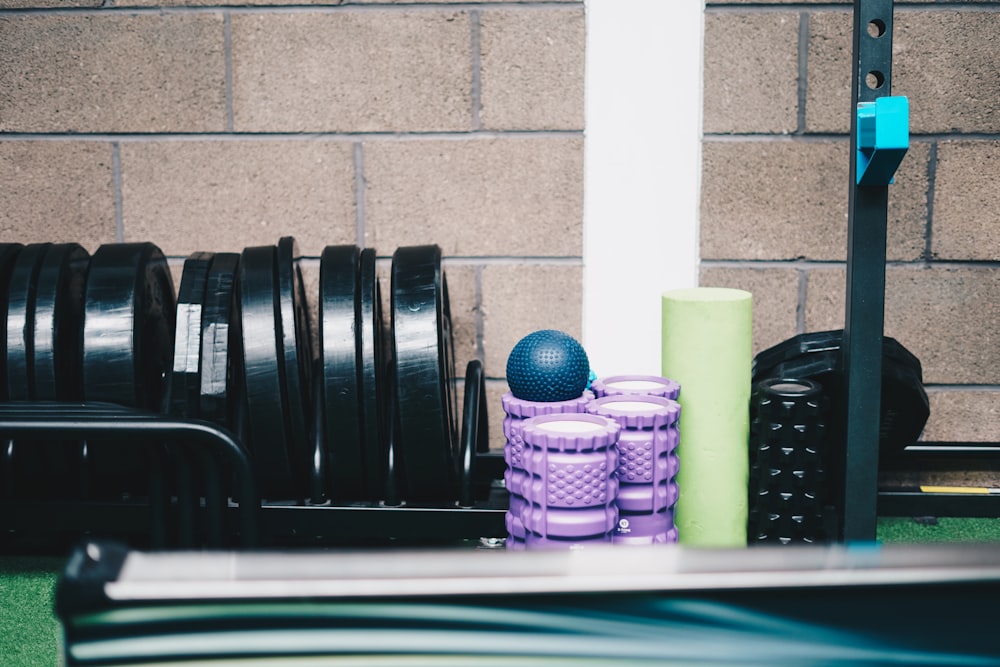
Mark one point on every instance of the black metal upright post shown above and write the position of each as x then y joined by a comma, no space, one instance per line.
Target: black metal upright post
862,347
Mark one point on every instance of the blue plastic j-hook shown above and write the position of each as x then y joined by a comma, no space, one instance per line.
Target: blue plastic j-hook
883,139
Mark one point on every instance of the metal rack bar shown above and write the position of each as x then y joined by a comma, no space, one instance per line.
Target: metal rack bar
478,510
866,237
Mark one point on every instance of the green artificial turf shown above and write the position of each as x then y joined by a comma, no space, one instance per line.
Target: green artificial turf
30,632
904,530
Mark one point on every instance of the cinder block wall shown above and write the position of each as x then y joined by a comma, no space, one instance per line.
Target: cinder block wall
775,185
197,124
216,125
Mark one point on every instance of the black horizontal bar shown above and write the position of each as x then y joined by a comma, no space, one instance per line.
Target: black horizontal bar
918,503
84,421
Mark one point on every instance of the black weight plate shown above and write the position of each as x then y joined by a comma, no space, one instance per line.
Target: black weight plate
185,378
58,323
128,329
218,391
8,255
20,321
424,374
56,374
295,361
339,343
371,369
128,325
32,463
817,356
261,347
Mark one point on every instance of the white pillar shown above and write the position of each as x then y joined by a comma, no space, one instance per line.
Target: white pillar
642,173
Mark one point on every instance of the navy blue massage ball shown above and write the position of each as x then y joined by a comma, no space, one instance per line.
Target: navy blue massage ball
548,366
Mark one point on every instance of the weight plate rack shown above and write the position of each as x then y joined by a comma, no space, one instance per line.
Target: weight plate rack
211,419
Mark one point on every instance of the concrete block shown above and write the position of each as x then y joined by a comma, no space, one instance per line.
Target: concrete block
227,195
750,72
42,4
962,415
788,200
775,298
944,61
941,62
352,71
500,196
828,63
944,315
524,297
57,191
966,200
112,73
532,68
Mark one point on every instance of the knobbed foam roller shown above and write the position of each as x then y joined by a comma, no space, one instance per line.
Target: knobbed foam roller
547,366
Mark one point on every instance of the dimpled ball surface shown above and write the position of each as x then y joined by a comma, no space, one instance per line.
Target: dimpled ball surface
548,366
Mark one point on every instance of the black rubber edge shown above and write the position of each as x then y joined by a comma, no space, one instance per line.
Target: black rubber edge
339,333
295,361
58,323
372,373
21,291
424,375
8,255
261,336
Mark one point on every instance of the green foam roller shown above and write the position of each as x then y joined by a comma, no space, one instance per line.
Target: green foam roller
707,348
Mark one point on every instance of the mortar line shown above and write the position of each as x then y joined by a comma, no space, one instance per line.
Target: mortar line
803,66
288,9
933,387
480,317
360,187
458,135
116,185
931,184
227,37
800,306
770,8
498,260
477,83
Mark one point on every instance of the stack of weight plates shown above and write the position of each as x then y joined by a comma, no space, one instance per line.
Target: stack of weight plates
367,414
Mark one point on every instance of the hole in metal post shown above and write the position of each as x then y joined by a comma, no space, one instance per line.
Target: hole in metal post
876,28
875,79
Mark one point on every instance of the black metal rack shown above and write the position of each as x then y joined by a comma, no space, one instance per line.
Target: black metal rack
166,518
862,501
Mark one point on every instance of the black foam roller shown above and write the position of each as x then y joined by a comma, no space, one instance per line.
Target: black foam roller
787,462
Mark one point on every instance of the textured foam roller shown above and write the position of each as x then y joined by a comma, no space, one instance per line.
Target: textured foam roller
516,410
571,463
647,465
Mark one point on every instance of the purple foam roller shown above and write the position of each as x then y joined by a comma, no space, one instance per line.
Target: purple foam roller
648,385
516,410
647,465
571,463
